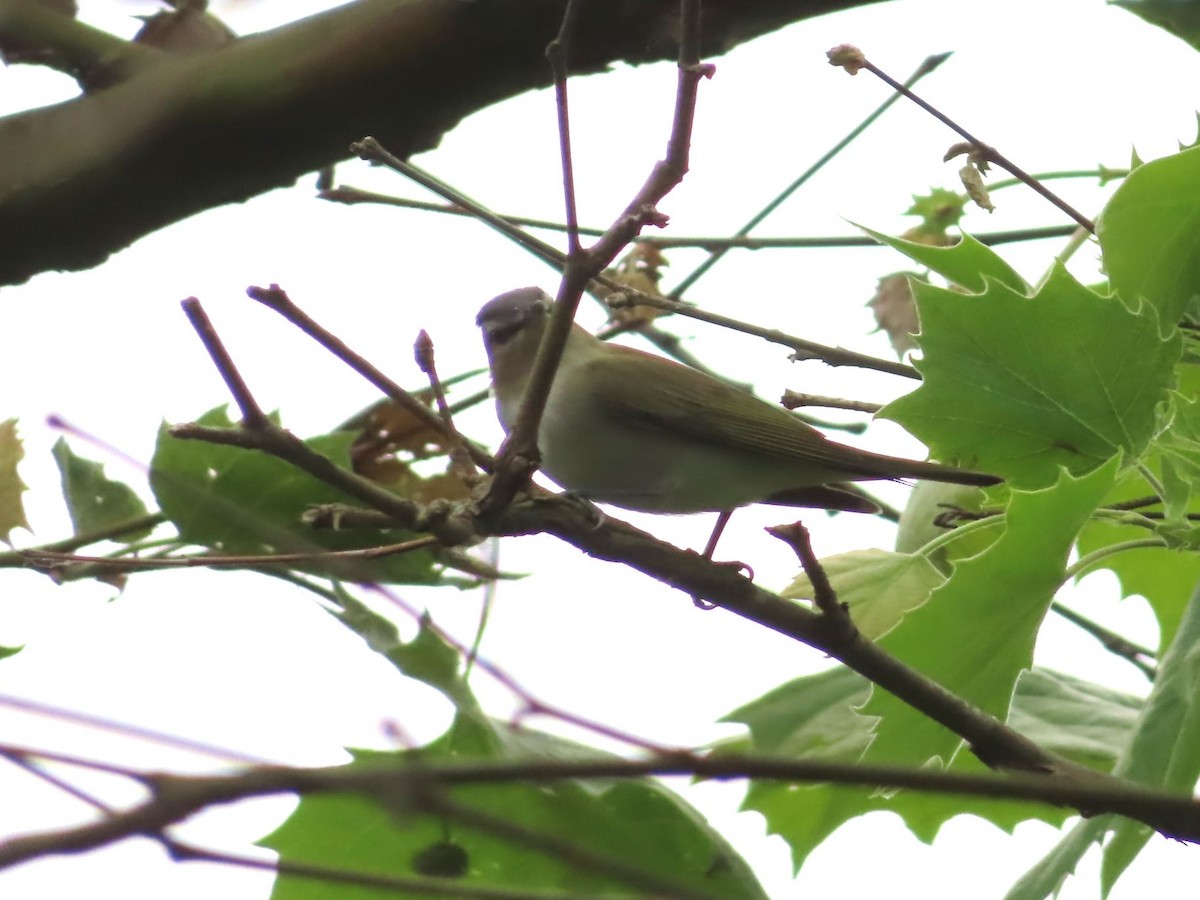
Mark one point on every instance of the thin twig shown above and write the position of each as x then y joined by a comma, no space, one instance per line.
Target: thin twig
795,399
252,414
521,443
930,63
29,766
824,596
531,704
991,154
371,149
1117,644
217,561
834,356
275,298
558,53
991,239
460,456
13,558
351,195
713,244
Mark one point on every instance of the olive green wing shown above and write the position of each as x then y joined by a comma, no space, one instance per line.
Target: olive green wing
665,395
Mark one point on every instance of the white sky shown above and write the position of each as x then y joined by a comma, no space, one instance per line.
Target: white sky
244,663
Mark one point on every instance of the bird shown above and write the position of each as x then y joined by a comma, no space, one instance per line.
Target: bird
645,433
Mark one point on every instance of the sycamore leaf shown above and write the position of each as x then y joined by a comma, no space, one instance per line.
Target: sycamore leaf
918,521
1178,17
976,634
1165,576
246,502
814,717
12,511
1150,235
1179,447
1046,877
968,263
1164,751
94,501
638,824
939,209
878,587
1021,386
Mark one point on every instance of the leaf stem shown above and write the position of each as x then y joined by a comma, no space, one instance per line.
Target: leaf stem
1081,565
957,532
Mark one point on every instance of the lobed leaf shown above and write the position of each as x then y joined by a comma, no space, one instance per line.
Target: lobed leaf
241,501
12,511
1022,386
95,502
637,824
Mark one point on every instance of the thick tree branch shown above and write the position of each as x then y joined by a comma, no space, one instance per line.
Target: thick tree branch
81,180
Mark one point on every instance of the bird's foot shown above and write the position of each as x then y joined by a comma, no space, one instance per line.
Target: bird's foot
700,603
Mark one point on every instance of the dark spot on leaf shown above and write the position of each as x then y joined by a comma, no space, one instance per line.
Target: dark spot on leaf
442,860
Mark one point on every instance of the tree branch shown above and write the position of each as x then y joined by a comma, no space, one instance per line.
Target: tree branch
83,179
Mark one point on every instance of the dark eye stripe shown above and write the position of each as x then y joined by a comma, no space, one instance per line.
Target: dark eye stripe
505,333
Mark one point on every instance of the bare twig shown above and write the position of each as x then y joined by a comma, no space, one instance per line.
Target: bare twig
838,57
531,705
713,244
558,54
252,415
795,399
276,298
351,195
40,558
930,63
824,596
258,432
1133,653
834,356
456,446
582,266
12,558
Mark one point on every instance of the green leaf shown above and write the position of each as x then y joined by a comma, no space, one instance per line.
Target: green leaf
815,717
1046,877
1021,386
239,501
939,209
1179,17
630,824
1079,719
877,586
918,521
1165,576
976,634
12,511
6,652
1164,751
1179,449
428,658
968,263
94,501
1150,235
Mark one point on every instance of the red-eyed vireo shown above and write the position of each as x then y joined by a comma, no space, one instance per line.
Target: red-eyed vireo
645,433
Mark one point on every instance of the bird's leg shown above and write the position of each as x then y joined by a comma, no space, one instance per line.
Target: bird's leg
711,547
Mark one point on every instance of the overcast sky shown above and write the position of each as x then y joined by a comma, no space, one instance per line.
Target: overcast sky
240,661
